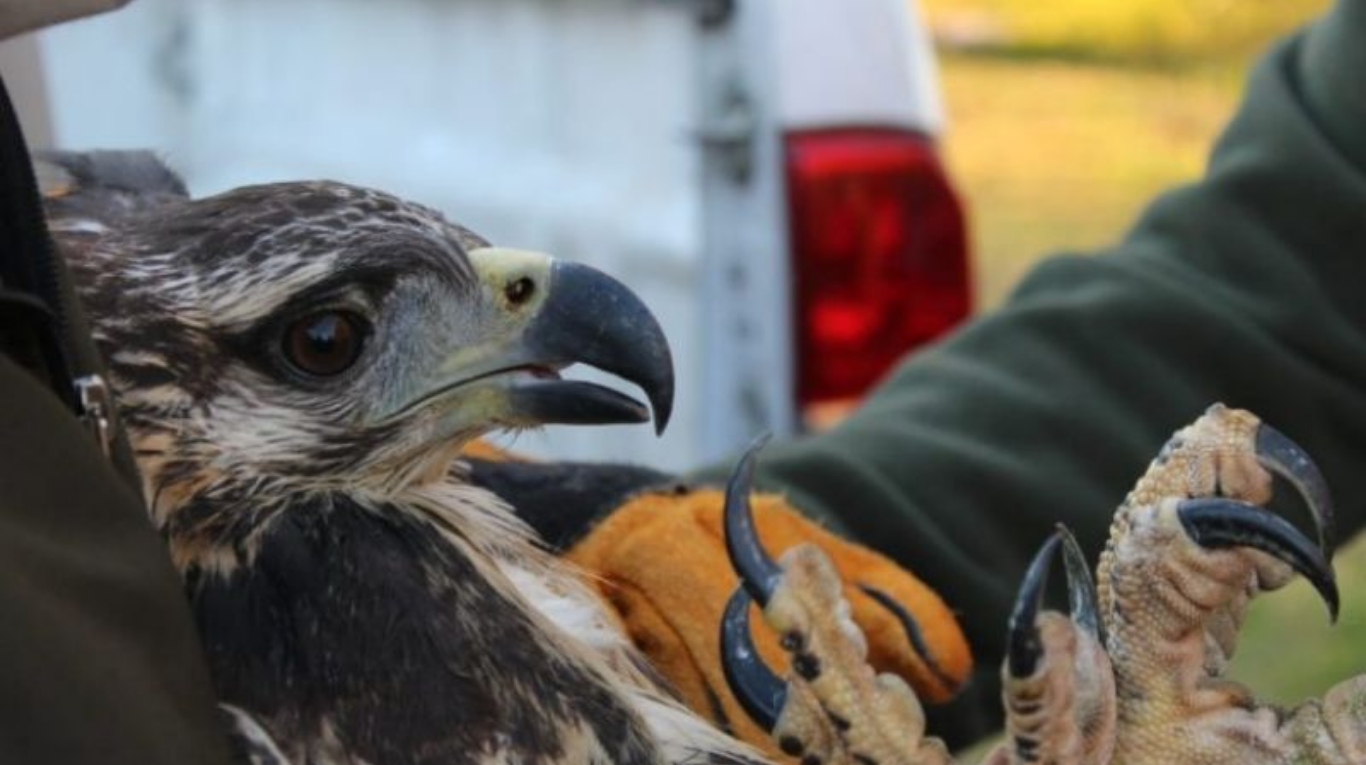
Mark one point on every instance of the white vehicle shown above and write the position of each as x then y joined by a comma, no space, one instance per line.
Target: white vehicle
762,172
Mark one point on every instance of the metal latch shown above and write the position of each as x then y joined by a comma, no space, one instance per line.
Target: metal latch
729,133
96,406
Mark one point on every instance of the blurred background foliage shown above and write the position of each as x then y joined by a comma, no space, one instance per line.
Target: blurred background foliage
1065,118
1132,32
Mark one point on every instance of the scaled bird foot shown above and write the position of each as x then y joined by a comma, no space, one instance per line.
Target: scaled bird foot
1134,674
1188,550
833,709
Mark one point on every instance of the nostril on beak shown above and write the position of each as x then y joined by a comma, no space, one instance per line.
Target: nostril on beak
519,290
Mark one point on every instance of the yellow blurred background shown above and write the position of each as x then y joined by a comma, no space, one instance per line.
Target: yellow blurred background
1065,118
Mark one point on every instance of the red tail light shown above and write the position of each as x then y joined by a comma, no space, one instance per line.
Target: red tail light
880,255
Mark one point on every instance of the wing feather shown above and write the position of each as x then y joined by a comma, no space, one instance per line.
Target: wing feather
93,189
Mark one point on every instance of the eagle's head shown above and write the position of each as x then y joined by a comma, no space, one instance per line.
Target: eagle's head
319,336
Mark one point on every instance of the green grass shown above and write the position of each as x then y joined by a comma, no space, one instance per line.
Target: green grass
1290,651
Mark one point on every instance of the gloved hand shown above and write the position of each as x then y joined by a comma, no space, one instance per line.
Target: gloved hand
660,560
655,551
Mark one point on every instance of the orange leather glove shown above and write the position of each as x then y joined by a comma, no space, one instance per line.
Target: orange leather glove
659,559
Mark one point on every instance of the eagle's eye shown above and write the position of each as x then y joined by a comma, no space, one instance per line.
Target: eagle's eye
324,344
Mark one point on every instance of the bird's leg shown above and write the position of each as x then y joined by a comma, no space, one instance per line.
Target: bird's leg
1189,548
833,709
1136,673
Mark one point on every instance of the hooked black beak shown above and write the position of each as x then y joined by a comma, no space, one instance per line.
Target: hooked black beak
537,317
590,318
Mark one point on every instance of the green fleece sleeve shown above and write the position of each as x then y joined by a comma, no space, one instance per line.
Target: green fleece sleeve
1248,287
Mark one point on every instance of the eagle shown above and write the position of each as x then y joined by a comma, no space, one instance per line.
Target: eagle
298,366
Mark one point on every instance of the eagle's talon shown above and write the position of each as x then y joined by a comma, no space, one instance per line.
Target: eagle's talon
1082,597
758,572
1217,523
1057,681
1285,458
1189,548
1025,648
832,709
760,692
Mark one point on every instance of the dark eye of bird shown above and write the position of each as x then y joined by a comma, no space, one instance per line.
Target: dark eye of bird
519,291
324,344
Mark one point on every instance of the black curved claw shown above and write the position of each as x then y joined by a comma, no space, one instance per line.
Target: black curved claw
757,571
1024,648
761,693
1283,457
1218,522
1082,599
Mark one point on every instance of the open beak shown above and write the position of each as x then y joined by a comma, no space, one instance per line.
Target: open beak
542,316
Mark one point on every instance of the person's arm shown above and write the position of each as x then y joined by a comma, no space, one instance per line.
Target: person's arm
101,660
1248,288
101,663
